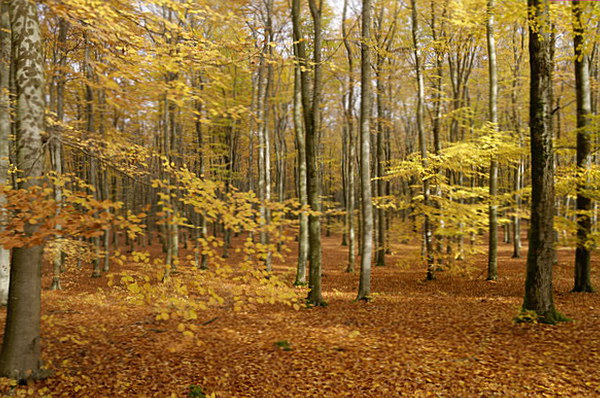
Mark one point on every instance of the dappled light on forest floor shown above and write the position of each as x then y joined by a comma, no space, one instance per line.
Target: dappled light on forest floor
452,337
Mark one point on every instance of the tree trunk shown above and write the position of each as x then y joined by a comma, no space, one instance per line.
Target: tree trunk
493,109
379,169
5,131
56,144
20,356
538,283
422,142
364,287
583,282
350,201
311,107
264,152
299,129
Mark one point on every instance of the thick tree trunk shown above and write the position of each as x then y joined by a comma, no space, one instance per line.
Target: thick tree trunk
364,287
20,356
583,281
493,109
538,283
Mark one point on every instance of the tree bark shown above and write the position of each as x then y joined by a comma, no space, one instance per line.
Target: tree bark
422,142
538,284
300,139
493,110
5,131
20,356
364,287
350,201
311,106
583,282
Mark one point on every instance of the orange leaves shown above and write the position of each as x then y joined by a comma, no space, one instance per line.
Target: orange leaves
32,216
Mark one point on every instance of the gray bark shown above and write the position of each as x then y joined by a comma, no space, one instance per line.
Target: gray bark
427,246
364,287
299,129
20,355
493,110
56,143
5,131
310,106
583,282
350,201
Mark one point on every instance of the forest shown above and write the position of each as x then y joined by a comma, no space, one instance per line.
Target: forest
321,198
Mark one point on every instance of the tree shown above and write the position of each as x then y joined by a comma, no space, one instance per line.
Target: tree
351,146
20,355
583,281
311,107
422,140
540,256
493,109
364,287
5,130
303,245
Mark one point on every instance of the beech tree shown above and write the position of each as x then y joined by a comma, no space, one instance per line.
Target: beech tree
311,103
427,233
583,281
540,256
5,131
20,355
493,110
364,287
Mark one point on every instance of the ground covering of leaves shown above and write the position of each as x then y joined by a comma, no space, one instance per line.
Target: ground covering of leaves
454,337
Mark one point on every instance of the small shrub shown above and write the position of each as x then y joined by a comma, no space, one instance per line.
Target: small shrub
196,392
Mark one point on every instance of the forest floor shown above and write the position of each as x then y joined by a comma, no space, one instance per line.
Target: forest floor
453,337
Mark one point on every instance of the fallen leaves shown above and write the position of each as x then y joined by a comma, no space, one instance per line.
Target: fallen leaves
451,337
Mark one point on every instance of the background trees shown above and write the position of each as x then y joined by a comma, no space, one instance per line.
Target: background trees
179,117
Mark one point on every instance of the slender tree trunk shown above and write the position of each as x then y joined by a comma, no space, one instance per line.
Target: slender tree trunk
350,202
364,287
5,131
264,152
56,144
583,281
312,146
300,139
516,219
93,162
437,117
20,356
380,184
311,105
518,50
422,141
538,283
202,227
493,109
